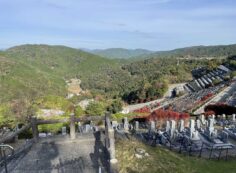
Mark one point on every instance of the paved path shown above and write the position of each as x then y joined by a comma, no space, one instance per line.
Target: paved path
62,155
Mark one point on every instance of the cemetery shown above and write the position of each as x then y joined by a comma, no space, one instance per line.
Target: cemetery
208,137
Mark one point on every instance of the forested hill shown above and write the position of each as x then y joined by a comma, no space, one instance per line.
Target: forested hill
194,52
120,53
33,70
30,71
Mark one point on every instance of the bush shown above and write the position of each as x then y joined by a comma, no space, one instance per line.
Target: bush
53,128
95,109
55,102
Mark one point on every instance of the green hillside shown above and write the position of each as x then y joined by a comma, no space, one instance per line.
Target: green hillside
34,70
120,53
29,71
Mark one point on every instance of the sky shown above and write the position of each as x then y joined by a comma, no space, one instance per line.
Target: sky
100,24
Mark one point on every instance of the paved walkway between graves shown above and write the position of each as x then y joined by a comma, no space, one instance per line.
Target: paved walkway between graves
59,154
221,97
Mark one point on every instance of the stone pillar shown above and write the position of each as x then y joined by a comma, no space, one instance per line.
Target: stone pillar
35,131
110,143
72,126
112,146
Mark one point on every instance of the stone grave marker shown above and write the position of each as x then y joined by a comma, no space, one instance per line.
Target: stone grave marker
63,130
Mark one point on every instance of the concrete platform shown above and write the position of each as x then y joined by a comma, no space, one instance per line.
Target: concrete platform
59,154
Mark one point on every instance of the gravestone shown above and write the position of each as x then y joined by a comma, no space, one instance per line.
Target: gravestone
225,136
181,125
126,124
202,119
213,116
87,128
63,130
136,125
42,135
152,126
210,127
206,124
194,135
167,126
191,127
223,116
233,117
172,128
198,124
114,124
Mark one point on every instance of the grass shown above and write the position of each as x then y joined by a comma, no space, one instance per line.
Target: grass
162,160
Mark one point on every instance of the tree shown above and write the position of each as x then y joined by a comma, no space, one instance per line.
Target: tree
79,111
115,107
95,108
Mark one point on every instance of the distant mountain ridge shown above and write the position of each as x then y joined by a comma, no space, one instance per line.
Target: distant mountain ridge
195,52
120,53
186,52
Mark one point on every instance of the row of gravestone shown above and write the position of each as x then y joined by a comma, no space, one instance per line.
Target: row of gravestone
195,126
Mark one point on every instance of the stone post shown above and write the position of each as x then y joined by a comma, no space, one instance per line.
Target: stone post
72,126
112,146
110,140
34,126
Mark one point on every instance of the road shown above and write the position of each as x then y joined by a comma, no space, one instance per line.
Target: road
166,96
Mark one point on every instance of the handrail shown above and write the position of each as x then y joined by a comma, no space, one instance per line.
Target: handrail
3,148
6,146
